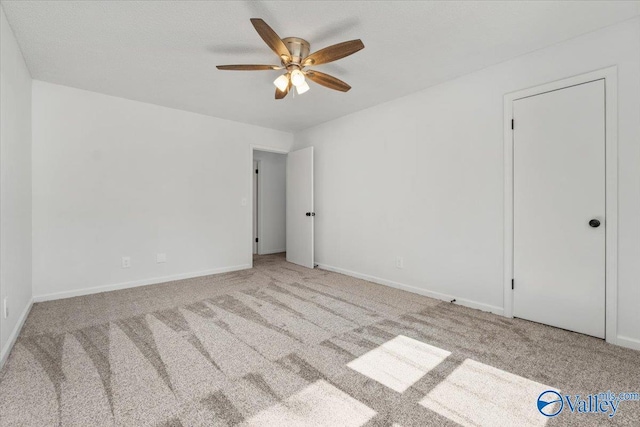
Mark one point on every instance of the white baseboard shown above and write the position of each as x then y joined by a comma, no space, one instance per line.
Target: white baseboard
631,343
272,251
136,283
14,334
437,295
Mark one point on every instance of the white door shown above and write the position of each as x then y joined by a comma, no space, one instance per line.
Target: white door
300,213
559,207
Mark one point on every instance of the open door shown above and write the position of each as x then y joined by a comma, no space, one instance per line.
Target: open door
300,214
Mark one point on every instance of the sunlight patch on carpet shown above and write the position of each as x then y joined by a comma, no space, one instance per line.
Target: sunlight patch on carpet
475,394
318,404
399,363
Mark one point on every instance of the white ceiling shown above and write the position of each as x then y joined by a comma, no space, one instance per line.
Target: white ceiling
165,52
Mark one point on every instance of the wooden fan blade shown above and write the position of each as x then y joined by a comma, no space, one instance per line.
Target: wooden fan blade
280,94
333,53
248,67
328,81
271,39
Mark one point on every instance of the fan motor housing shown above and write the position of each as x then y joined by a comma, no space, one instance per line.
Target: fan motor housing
299,49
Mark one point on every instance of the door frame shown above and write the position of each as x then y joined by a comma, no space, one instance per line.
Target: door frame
252,148
256,211
610,77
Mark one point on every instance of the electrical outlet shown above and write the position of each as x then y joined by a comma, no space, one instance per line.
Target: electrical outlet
399,262
5,307
126,262
160,258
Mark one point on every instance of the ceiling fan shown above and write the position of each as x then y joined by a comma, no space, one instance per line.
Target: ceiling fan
294,58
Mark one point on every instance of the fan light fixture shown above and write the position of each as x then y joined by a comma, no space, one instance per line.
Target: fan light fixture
294,54
282,82
302,88
297,78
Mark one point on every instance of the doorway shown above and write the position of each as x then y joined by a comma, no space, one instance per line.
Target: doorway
560,204
282,207
269,202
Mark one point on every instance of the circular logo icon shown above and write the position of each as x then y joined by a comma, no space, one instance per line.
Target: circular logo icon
550,403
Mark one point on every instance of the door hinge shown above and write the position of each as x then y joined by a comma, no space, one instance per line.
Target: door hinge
512,123
512,283
257,169
256,240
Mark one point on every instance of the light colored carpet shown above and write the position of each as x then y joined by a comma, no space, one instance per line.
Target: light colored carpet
283,345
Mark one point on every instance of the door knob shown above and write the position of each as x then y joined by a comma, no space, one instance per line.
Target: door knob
594,223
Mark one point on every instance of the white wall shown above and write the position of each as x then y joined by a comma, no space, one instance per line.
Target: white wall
15,186
114,177
272,202
422,177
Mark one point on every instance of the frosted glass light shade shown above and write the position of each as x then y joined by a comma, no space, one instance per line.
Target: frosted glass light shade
282,82
297,77
302,88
